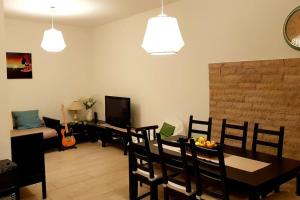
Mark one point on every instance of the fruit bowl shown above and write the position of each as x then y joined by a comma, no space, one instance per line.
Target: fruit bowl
203,142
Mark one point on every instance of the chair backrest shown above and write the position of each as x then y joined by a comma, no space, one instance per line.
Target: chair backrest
225,132
139,152
173,161
210,174
278,145
28,153
149,130
193,129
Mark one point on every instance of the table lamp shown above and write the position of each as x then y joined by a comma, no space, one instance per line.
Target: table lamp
75,106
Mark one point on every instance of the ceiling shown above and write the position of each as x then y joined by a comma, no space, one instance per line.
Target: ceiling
78,12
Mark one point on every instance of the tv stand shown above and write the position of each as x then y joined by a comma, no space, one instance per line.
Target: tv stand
110,132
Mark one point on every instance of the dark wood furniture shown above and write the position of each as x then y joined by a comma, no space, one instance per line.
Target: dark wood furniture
9,179
53,141
278,145
149,130
193,129
174,167
94,130
225,133
142,165
279,171
84,131
113,134
28,154
211,176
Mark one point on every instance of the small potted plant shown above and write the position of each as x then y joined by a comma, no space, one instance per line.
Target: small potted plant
88,103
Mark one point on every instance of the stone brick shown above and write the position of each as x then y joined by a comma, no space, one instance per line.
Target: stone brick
292,70
232,78
247,85
265,92
294,62
269,86
234,98
228,71
271,78
292,78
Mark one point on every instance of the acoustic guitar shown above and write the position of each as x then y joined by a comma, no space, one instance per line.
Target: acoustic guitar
68,139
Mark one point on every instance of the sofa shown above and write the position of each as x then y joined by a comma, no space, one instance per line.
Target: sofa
28,122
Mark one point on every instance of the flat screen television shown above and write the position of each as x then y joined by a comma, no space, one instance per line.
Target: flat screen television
117,111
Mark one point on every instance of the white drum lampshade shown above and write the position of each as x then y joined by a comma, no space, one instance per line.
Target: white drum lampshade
53,40
162,36
75,107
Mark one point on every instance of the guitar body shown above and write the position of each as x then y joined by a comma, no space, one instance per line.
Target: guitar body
68,139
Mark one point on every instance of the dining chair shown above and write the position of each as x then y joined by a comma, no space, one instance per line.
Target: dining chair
211,179
176,179
141,165
278,145
227,129
149,130
193,129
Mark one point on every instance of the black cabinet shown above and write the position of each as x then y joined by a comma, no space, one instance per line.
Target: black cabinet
28,154
84,131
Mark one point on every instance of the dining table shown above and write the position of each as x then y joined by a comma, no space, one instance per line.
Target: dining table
251,173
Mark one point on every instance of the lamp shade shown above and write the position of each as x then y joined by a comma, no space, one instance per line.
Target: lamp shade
162,36
53,40
75,106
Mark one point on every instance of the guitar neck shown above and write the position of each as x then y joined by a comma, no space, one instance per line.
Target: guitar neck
64,118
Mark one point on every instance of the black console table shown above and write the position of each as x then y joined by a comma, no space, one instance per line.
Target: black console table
111,133
84,131
92,131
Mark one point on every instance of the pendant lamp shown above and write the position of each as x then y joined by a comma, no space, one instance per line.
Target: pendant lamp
162,36
53,39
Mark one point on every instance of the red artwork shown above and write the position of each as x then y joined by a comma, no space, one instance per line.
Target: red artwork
19,65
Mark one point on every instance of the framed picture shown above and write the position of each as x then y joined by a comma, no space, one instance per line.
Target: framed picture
19,65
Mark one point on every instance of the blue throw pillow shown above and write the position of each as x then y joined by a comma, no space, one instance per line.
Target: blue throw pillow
27,119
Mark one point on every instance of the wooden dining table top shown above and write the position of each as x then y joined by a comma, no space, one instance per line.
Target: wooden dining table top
279,170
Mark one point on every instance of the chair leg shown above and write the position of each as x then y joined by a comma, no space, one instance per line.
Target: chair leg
166,193
153,192
125,145
17,194
192,197
44,190
135,188
298,184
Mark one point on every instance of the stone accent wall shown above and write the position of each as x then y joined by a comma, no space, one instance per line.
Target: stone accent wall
267,92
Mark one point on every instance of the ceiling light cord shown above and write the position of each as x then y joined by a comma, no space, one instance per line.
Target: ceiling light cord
52,13
162,7
52,21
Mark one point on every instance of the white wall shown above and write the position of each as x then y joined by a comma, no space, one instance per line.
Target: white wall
4,127
57,77
214,31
